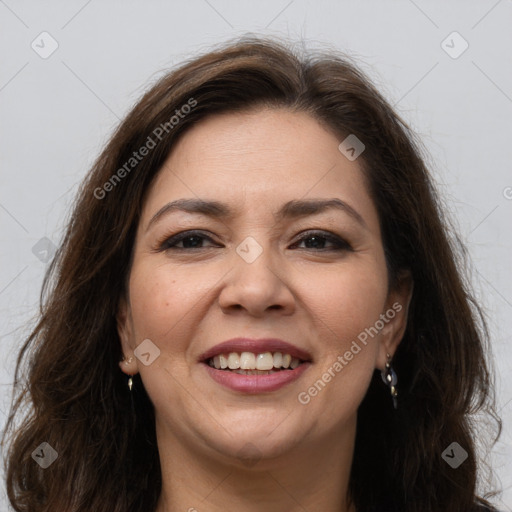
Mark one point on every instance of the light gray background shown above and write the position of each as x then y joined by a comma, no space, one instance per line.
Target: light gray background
56,114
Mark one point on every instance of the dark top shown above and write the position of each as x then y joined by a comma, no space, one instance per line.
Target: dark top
477,508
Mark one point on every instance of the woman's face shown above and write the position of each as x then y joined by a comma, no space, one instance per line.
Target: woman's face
256,265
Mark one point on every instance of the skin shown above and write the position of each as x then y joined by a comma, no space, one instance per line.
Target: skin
220,449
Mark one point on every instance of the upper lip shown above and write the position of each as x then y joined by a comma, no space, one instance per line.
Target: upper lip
256,346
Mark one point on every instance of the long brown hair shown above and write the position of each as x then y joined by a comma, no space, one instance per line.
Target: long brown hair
77,397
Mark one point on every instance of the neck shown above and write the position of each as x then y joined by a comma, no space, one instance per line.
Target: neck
313,476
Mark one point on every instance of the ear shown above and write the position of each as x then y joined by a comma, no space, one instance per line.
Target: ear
395,317
125,332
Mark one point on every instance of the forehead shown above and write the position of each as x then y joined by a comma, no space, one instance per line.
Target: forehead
259,159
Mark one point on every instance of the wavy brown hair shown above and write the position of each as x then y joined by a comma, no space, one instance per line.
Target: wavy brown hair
70,392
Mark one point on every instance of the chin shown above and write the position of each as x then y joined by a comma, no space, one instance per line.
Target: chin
250,446
249,453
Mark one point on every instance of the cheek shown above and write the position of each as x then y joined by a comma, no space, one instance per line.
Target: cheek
345,301
162,300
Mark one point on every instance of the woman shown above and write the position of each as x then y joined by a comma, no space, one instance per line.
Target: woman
256,306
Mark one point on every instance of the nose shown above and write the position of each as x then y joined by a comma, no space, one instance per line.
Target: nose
257,285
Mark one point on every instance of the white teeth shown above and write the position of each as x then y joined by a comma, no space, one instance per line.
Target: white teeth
219,362
247,361
264,361
254,372
233,361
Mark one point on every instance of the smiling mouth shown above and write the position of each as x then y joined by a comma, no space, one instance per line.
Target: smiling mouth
249,363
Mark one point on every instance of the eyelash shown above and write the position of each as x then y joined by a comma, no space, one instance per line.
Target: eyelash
169,243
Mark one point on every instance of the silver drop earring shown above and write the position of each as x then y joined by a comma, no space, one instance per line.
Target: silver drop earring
390,379
130,380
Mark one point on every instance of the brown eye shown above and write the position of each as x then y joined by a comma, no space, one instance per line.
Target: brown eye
190,239
318,239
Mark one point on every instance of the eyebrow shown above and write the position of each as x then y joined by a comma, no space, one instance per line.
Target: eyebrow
290,210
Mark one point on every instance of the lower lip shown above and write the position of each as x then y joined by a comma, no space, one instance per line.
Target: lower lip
256,383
